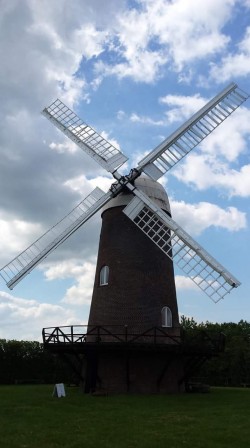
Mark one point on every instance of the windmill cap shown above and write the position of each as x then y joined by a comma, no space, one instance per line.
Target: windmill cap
154,190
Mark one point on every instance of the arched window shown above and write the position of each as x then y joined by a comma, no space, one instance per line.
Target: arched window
104,276
166,317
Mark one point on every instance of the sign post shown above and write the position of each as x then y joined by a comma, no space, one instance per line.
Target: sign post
59,390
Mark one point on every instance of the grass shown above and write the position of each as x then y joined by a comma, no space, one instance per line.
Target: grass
31,418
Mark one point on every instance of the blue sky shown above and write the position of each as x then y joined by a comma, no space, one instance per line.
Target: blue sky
134,70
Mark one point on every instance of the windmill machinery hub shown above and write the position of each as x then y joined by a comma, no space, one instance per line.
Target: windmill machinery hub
134,283
122,181
153,189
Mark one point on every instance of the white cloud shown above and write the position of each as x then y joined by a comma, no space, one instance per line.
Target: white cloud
230,139
121,115
65,269
195,218
189,33
81,293
91,40
113,141
55,39
204,173
50,49
63,147
137,157
183,106
68,145
173,33
24,319
146,120
185,283
137,61
15,236
212,167
43,57
186,76
84,186
233,65
216,163
82,273
142,67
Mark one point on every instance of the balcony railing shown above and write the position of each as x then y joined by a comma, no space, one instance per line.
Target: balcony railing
105,334
89,335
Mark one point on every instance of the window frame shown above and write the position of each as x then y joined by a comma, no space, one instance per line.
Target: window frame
104,276
166,317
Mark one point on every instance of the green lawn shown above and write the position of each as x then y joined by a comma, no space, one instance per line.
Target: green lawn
31,418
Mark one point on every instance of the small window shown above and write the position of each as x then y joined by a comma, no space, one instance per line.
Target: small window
166,317
104,276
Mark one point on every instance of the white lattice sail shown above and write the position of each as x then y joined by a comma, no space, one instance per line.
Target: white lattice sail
106,154
201,267
194,261
191,133
21,265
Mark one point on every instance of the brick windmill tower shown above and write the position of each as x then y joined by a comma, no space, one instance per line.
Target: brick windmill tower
134,280
134,295
133,341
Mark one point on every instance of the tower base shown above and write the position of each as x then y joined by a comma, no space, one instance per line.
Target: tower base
142,371
156,361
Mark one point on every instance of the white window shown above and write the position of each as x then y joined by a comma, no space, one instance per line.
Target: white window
104,276
166,317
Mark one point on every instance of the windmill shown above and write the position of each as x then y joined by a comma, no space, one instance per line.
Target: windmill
134,285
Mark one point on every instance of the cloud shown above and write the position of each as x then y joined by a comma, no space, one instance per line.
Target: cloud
63,147
216,163
82,273
173,33
91,40
37,66
195,218
84,186
142,67
204,173
189,34
65,49
185,283
45,59
233,65
65,269
231,138
24,319
15,236
81,292
111,140
183,106
146,120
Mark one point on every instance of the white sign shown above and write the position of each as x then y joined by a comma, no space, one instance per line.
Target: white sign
59,390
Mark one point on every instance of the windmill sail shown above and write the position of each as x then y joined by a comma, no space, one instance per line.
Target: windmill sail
21,265
178,245
191,133
203,269
107,155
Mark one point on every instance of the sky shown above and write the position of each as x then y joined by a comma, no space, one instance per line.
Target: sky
135,70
